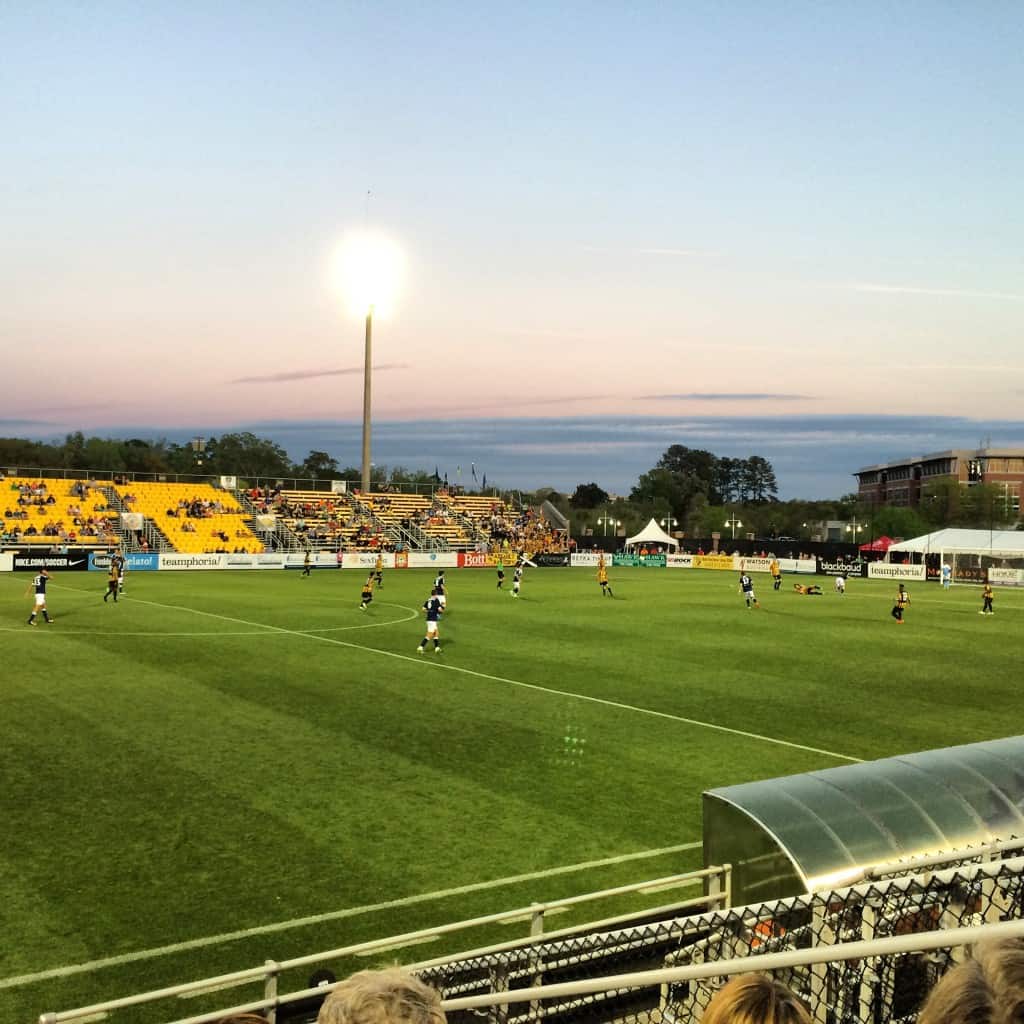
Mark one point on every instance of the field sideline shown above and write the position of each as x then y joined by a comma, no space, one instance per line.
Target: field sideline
226,767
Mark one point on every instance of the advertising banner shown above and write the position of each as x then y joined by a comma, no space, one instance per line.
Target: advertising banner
653,561
550,560
265,561
587,558
339,486
851,570
890,571
401,559
434,559
620,558
756,564
6,561
178,562
132,520
228,483
484,560
77,562
726,562
999,577
679,561
366,560
99,561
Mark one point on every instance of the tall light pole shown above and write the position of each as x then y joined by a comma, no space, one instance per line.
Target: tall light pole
733,522
669,523
367,379
367,269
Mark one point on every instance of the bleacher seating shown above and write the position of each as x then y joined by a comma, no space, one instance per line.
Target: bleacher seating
324,521
194,517
77,513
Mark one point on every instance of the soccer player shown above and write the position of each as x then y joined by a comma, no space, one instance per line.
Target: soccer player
433,607
602,578
902,600
747,587
986,600
38,584
501,574
776,572
119,559
811,590
307,563
840,584
439,579
113,578
517,579
947,575
367,595
378,570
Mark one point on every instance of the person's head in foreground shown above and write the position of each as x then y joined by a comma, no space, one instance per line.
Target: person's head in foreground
755,999
389,996
987,989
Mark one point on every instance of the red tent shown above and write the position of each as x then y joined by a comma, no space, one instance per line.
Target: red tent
879,544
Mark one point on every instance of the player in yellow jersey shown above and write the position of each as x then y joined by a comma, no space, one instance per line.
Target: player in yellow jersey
602,578
902,600
378,570
367,596
987,596
776,572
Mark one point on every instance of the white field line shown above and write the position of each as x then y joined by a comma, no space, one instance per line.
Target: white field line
335,915
434,663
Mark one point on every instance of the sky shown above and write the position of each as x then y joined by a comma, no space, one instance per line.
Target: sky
609,213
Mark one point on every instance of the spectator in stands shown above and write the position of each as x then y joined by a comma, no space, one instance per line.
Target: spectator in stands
755,999
987,988
389,996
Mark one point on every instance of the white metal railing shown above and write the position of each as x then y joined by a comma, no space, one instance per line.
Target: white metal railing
920,942
718,880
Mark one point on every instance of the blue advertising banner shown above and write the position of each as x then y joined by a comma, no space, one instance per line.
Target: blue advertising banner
99,561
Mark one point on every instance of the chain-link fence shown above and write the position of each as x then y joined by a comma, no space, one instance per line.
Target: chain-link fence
887,986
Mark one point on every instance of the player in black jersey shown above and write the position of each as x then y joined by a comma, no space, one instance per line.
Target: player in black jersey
117,560
113,578
38,584
433,607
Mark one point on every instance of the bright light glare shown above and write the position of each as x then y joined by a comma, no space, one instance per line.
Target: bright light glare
367,271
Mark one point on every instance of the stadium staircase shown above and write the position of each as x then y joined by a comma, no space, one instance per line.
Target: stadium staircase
280,538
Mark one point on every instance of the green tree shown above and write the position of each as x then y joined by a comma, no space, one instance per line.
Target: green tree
588,496
318,466
246,455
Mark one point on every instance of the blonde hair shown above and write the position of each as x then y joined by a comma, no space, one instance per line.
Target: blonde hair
987,989
389,996
755,999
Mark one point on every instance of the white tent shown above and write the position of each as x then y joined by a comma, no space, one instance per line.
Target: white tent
1004,543
652,533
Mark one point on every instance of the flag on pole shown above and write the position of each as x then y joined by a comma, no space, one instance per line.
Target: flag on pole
472,467
484,485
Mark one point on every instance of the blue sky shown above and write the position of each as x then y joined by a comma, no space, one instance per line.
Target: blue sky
671,211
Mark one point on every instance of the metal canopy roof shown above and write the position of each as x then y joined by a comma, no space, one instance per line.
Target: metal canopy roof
804,832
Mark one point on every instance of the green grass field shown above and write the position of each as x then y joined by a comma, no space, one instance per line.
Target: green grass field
223,752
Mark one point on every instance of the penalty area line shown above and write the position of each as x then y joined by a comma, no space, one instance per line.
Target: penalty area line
337,915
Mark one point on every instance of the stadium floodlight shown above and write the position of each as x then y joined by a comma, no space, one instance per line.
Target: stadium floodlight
733,522
609,521
855,528
368,269
669,523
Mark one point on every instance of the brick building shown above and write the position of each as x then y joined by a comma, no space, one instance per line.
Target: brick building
902,482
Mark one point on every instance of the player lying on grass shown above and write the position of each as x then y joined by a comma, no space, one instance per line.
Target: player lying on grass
811,590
